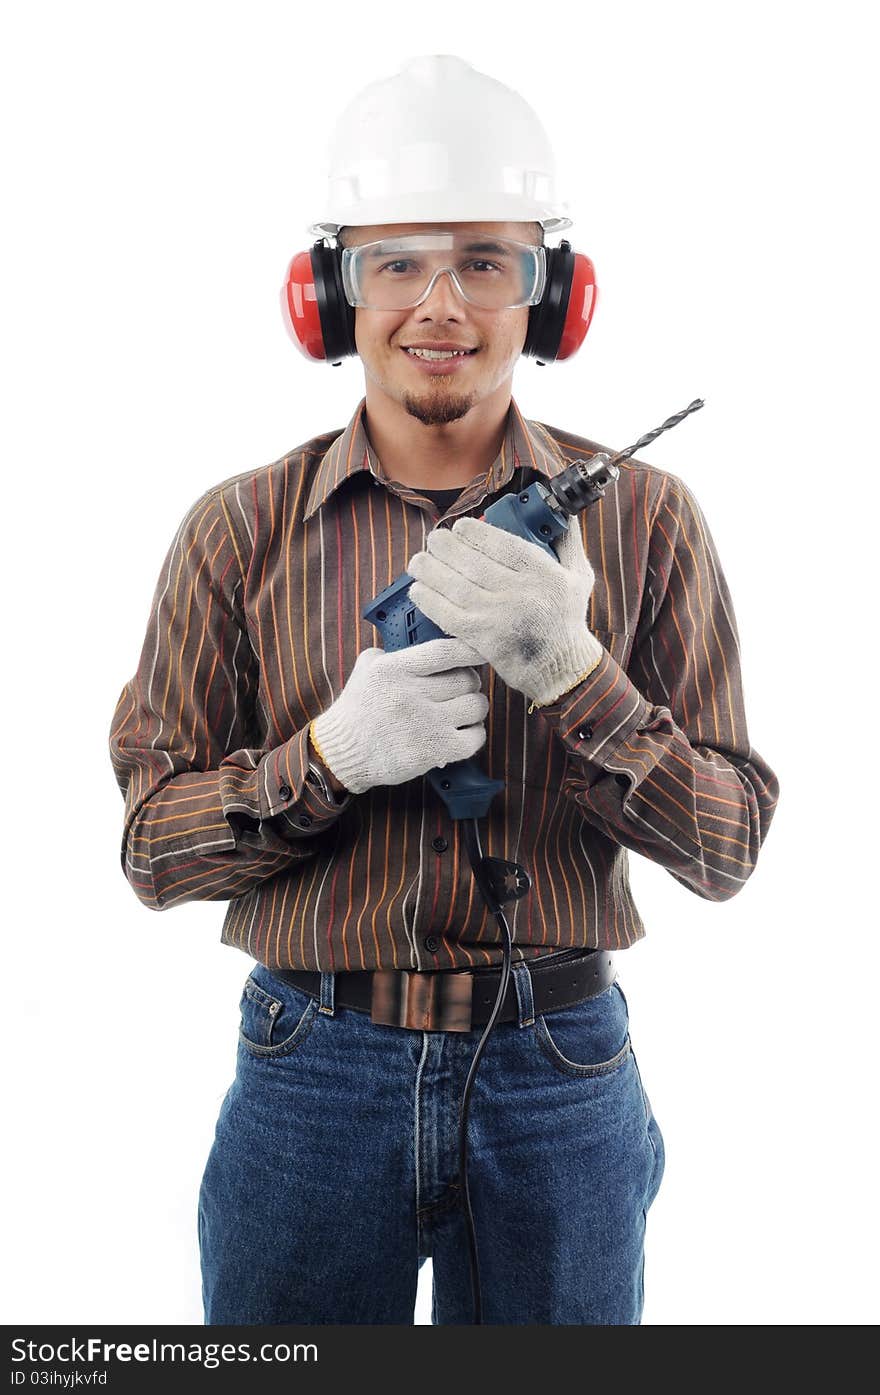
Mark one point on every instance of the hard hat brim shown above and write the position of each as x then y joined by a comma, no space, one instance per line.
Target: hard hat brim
429,208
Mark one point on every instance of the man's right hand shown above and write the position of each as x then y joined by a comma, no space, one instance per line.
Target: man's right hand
403,713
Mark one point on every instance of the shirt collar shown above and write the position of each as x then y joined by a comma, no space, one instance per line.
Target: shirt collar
526,443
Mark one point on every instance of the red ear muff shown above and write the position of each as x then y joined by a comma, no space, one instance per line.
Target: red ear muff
316,314
558,324
581,304
299,307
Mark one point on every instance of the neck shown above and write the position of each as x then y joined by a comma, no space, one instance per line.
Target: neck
444,456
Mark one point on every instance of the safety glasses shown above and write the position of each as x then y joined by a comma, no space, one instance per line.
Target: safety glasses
396,273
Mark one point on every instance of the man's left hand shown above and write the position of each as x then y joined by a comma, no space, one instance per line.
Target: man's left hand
524,612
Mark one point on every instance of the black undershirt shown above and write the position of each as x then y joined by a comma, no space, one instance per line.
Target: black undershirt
443,498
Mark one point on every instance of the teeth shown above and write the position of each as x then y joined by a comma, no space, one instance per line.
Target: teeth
438,353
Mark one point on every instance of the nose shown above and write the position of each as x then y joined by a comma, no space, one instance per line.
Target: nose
442,299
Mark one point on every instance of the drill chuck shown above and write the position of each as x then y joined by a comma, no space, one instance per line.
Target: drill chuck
582,483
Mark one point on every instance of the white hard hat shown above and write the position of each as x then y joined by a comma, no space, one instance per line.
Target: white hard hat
440,142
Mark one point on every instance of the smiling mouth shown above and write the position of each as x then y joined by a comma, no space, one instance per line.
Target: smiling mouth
438,355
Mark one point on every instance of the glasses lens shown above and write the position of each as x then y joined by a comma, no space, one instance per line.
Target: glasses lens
493,273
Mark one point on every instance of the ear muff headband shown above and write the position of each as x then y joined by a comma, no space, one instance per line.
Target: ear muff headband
337,316
320,320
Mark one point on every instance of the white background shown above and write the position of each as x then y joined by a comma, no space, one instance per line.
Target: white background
161,166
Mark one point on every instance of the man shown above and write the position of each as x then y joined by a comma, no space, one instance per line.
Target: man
274,756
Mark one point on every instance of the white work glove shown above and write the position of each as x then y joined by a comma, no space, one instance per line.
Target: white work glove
522,611
402,714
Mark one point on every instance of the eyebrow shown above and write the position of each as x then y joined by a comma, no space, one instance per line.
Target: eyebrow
494,247
487,247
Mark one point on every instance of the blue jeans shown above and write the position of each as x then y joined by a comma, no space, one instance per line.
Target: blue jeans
333,1171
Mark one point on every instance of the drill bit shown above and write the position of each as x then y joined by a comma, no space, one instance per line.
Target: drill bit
652,435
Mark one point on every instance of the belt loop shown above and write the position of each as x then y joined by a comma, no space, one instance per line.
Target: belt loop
523,982
327,996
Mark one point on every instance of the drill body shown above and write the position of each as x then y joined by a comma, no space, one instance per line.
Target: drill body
539,513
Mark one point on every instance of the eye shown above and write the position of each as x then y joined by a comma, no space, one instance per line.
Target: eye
493,266
401,261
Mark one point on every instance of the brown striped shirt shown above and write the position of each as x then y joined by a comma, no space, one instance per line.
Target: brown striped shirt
255,626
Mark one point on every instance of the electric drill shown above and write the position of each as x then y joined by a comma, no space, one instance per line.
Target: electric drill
540,514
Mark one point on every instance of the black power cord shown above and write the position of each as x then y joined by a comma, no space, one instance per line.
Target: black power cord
498,881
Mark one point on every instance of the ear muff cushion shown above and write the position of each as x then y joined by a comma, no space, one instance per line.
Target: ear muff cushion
558,325
337,316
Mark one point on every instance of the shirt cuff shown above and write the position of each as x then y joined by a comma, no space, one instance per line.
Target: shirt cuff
292,792
599,713
315,776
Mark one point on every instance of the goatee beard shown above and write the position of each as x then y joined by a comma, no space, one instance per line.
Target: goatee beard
438,411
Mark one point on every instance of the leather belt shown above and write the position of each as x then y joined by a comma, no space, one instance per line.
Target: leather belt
456,1000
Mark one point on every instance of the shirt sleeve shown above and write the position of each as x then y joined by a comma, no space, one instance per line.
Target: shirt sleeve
659,756
210,810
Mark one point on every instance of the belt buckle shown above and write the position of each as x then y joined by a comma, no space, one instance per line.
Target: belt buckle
429,1002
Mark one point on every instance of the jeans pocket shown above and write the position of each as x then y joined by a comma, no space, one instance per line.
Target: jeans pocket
276,1018
589,1039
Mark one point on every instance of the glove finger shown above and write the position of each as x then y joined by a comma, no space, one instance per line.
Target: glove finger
465,559
459,681
470,739
506,549
462,745
452,584
450,617
466,711
436,655
443,687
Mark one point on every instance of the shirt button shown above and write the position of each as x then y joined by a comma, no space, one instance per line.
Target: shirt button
284,791
439,845
585,733
304,820
432,944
